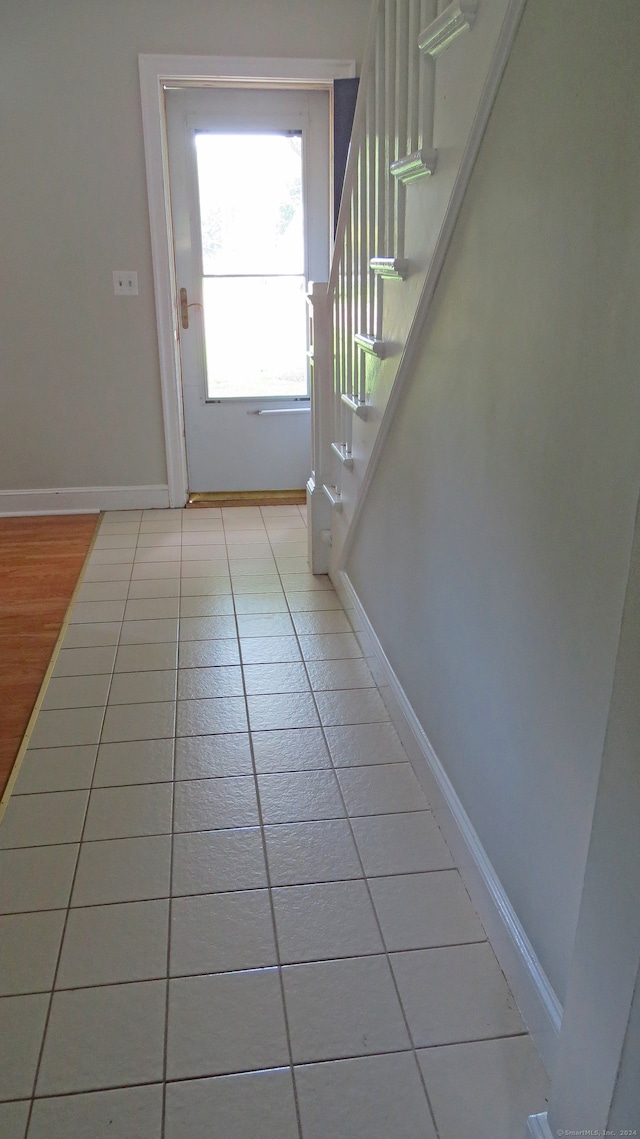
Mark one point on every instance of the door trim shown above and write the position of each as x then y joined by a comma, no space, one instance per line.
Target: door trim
195,70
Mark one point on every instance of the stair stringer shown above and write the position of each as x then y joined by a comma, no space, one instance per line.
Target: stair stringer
466,83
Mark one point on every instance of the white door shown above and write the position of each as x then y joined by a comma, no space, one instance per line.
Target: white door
249,176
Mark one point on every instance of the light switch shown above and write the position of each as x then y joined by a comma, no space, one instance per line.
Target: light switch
125,283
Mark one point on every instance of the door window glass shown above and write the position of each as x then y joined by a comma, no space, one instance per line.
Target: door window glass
253,264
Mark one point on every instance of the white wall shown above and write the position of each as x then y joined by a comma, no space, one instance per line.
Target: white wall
79,372
503,508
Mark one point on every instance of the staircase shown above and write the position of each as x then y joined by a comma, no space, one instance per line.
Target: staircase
429,77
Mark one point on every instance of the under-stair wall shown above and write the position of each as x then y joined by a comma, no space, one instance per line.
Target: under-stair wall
490,554
429,77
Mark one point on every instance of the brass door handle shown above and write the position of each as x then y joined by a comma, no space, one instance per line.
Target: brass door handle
185,306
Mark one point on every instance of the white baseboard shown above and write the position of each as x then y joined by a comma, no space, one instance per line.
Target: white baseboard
82,499
538,1127
534,995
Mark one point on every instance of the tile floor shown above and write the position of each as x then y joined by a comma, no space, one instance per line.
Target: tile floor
227,909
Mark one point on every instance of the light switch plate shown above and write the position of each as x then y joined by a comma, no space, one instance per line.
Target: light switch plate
125,283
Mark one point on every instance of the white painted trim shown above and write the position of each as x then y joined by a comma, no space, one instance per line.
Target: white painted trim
155,70
538,1127
411,167
371,344
333,495
457,19
534,995
359,409
82,499
463,177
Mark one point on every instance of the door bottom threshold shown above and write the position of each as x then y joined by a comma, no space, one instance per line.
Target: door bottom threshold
247,498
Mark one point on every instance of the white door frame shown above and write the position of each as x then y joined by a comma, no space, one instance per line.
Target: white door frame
155,72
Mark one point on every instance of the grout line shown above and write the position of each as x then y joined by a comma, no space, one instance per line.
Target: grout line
271,902
64,930
374,911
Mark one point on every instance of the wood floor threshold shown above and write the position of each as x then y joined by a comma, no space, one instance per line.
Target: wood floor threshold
295,497
9,772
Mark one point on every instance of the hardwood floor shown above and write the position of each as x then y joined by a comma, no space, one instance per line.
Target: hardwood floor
40,562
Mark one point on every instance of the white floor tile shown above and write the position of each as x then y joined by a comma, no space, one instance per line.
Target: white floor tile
103,591
154,587
401,844
91,611
13,1119
216,933
331,1012
333,621
325,920
149,571
96,571
203,654
143,687
104,945
264,625
129,812
292,749
356,745
283,648
119,1114
21,1029
381,789
29,945
329,675
67,727
329,646
246,1009
207,757
43,820
211,585
256,583
205,567
207,628
56,769
297,582
299,797
149,632
204,683
169,535
83,662
455,994
371,1097
137,761
152,721
94,635
208,717
485,1090
269,650
122,870
358,706
252,603
206,606
421,911
36,878
282,710
269,678
243,1106
314,600
105,1037
147,658
151,608
215,804
213,861
311,852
